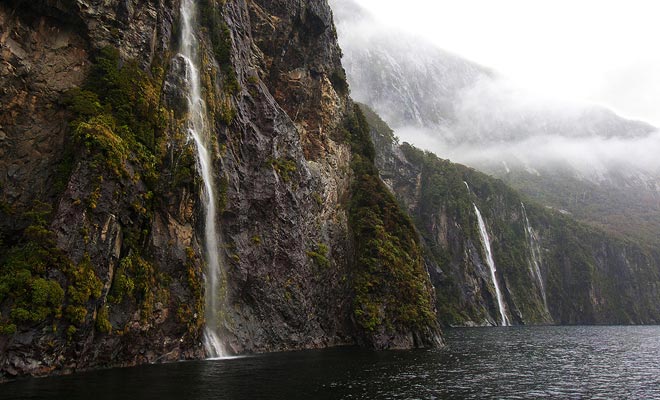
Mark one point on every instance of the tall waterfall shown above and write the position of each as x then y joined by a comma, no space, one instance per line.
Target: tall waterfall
485,239
535,265
198,131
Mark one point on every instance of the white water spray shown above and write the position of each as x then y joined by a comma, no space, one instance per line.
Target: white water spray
199,132
485,239
535,265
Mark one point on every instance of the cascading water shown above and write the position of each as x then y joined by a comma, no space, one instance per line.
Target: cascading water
535,265
485,239
199,132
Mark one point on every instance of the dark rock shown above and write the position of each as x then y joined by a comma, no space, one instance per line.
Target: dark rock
281,163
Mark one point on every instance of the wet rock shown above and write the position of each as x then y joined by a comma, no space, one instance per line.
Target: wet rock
280,160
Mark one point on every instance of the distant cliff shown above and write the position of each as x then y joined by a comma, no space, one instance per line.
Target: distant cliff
586,275
580,158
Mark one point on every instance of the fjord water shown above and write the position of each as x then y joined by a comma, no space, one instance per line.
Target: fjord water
509,363
198,131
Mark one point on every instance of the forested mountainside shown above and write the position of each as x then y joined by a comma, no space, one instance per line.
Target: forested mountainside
551,269
579,158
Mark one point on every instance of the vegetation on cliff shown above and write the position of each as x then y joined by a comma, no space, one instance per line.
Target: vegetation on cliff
117,116
389,279
33,275
590,276
218,32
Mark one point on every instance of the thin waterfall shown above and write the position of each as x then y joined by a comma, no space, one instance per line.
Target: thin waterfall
535,250
198,131
485,239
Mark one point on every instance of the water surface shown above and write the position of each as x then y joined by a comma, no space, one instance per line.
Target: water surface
511,363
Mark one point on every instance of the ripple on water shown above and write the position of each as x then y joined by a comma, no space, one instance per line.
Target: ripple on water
506,363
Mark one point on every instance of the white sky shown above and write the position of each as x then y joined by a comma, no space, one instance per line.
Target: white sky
600,51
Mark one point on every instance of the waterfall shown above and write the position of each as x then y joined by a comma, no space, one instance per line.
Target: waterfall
485,239
198,131
535,250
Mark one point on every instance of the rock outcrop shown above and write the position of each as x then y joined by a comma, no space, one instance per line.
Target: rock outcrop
586,276
101,254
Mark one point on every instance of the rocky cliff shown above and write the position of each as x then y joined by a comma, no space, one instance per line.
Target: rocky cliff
581,158
551,268
102,259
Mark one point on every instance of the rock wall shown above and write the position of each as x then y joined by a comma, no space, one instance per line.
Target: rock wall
101,254
589,277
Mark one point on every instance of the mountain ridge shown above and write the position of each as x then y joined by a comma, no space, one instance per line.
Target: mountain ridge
548,149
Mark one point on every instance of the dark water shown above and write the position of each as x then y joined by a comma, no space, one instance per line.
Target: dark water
513,363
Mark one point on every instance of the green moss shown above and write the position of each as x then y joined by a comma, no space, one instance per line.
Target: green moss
319,255
183,167
84,284
47,295
83,103
117,119
196,286
6,328
76,315
118,114
285,167
71,331
103,324
128,93
227,113
212,20
135,279
186,316
389,279
26,290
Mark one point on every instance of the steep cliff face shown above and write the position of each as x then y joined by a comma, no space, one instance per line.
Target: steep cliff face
563,155
284,227
99,252
550,268
102,222
291,266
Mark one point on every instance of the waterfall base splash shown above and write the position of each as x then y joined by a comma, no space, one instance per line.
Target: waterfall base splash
213,345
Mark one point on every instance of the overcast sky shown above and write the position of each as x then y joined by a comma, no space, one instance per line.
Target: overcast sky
600,51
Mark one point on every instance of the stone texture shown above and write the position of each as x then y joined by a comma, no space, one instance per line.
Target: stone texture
286,109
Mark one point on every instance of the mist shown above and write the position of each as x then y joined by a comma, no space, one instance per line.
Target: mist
497,125
595,51
471,114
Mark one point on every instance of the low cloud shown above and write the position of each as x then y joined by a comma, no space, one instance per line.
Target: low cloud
469,114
